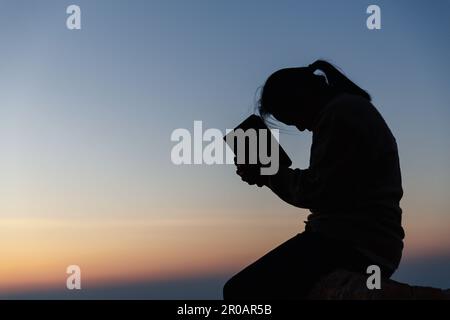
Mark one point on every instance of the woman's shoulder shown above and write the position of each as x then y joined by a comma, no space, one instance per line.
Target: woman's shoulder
349,104
352,111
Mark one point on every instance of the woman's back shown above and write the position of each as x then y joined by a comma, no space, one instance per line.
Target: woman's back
357,180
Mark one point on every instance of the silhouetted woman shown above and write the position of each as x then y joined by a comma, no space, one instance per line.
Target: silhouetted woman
352,187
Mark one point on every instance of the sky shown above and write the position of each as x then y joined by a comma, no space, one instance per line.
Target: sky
86,117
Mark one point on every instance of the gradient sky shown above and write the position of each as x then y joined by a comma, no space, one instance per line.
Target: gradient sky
86,117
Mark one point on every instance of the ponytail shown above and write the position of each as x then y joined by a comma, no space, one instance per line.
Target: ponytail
337,81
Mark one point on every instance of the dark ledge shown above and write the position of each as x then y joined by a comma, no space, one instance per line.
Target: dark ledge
344,285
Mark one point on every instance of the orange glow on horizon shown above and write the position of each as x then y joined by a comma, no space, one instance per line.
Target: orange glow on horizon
37,251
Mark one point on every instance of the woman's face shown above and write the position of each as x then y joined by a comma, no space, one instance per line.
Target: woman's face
290,120
298,113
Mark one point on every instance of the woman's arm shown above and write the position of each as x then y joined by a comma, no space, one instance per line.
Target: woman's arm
293,186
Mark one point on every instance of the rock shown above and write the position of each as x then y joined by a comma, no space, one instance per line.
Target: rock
345,285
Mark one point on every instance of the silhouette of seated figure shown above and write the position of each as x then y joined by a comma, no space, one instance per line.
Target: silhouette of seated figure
352,186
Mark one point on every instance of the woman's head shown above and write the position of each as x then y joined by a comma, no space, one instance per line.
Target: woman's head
294,96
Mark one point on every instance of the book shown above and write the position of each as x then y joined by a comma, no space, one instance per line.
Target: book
256,123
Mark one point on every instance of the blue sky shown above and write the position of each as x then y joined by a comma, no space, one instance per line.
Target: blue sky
86,116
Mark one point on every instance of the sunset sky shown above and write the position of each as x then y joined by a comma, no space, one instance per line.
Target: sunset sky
86,117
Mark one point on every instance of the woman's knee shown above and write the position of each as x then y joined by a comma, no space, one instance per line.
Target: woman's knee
231,288
228,289
236,287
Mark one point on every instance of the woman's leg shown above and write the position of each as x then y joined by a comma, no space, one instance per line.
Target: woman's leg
290,270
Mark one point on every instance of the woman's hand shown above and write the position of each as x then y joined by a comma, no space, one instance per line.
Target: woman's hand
251,174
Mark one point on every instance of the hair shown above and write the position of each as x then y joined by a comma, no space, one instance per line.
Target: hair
286,84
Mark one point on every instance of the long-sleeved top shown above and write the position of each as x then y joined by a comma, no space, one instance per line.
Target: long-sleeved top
353,184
